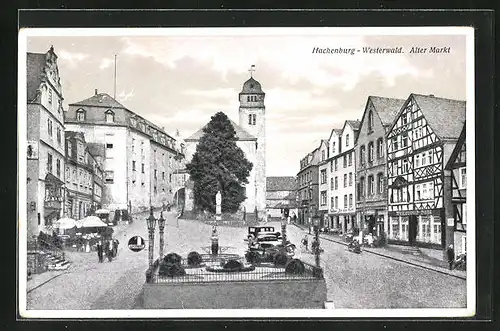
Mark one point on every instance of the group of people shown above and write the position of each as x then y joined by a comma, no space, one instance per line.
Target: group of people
109,248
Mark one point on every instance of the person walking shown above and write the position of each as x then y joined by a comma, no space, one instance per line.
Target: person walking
305,242
100,251
115,247
450,252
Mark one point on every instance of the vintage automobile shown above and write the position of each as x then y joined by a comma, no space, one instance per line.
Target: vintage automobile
253,230
270,251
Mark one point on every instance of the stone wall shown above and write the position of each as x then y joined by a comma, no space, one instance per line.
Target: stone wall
298,294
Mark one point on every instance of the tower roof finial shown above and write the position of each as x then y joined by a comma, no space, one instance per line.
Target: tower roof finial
251,70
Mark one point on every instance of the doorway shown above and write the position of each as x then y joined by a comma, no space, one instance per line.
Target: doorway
412,229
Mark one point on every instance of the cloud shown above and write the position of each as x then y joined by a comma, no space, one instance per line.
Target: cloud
123,96
73,58
105,63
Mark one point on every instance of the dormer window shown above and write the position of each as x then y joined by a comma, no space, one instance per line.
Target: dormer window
347,140
80,115
110,116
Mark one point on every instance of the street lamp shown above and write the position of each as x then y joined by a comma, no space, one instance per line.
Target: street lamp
161,224
151,222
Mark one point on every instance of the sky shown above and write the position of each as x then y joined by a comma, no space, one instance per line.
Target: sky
178,81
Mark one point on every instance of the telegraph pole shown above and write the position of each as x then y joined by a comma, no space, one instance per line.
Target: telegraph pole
114,85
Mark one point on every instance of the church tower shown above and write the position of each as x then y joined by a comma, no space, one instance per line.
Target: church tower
252,118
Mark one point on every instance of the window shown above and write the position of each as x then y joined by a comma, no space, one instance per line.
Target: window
395,146
345,180
417,160
347,140
350,159
69,148
170,178
49,126
331,184
370,121
380,183
430,157
58,168
50,95
404,139
405,166
248,98
133,165
110,177
345,161
331,166
59,135
49,162
142,167
333,147
163,175
370,185
336,182
370,152
332,203
345,201
380,148
350,200
323,198
463,177
424,158
252,118
430,194
350,179
322,155
110,116
404,119
336,202
80,115
361,192
424,191
336,165
362,155
323,176
155,174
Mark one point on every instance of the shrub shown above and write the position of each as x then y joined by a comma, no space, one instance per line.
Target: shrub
233,265
280,259
295,266
171,270
172,258
194,259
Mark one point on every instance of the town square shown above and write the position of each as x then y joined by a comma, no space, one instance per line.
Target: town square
158,177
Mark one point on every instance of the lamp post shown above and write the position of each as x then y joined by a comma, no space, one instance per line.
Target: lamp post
161,224
151,222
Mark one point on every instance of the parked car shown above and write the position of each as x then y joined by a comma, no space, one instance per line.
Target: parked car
269,251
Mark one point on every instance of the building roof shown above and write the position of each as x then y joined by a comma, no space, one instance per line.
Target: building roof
446,117
386,108
100,100
355,124
251,86
35,64
241,134
285,183
457,149
96,149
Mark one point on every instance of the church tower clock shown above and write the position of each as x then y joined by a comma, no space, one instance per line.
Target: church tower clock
252,118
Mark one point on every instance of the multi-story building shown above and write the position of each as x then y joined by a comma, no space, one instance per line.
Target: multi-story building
371,197
419,144
456,184
332,168
45,155
139,156
97,157
344,172
324,153
307,187
79,176
281,197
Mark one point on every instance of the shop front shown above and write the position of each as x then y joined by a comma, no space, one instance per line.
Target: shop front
417,228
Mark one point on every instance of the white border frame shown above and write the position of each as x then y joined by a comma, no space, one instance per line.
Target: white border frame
24,33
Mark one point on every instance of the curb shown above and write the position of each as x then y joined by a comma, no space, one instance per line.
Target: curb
423,266
45,282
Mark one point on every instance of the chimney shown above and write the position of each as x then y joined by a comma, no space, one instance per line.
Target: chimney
95,92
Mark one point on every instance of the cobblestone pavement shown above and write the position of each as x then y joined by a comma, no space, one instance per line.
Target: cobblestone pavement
353,280
370,281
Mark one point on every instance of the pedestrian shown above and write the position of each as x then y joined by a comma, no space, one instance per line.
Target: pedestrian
305,242
99,251
450,252
115,247
289,219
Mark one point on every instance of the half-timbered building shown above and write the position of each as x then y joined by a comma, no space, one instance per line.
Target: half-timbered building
419,143
457,165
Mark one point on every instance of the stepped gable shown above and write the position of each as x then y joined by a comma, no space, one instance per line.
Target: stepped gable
241,134
35,64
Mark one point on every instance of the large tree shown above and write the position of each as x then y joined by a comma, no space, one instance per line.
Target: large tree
219,164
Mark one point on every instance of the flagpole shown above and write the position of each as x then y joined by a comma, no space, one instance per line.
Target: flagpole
114,87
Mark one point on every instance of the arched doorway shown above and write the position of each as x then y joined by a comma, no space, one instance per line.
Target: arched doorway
179,198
